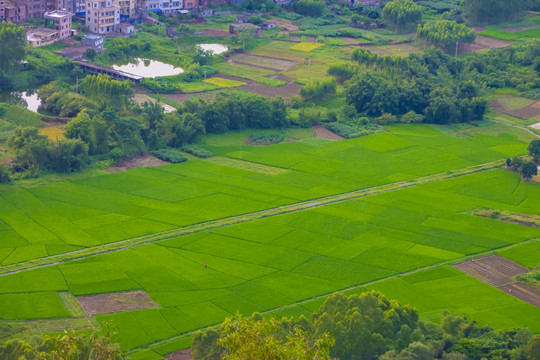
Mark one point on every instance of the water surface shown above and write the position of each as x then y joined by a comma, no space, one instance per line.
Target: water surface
149,68
214,48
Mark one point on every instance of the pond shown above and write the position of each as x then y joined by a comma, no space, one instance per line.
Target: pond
28,99
215,48
148,68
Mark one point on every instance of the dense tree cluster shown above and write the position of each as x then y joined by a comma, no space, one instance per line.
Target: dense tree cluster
442,88
67,346
445,34
397,86
403,15
362,327
318,89
313,8
492,11
57,99
107,92
35,152
237,110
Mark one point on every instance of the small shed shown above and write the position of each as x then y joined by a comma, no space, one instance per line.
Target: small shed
234,28
94,41
125,28
268,25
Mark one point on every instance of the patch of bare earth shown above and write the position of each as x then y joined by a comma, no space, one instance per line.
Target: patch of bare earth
136,162
115,302
285,91
498,272
526,112
515,29
180,355
323,133
485,42
535,126
216,33
284,23
496,106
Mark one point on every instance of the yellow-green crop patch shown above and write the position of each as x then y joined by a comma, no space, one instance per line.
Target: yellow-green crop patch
225,83
305,46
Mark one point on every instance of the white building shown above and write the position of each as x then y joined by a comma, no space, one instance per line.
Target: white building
166,6
72,6
102,17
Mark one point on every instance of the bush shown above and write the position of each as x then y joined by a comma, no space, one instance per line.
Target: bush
197,151
265,138
169,155
116,155
4,174
341,129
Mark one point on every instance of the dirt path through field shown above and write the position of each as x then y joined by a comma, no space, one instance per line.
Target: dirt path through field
498,272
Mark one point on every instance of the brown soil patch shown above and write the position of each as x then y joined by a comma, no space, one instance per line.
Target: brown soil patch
139,161
535,126
535,105
499,271
479,28
216,33
526,112
180,355
515,29
496,106
513,218
264,62
323,133
284,23
115,302
285,91
485,42
375,49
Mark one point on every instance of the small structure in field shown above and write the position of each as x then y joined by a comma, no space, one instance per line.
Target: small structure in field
125,28
235,28
268,25
95,41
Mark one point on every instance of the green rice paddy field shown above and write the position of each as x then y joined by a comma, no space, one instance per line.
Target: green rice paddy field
284,263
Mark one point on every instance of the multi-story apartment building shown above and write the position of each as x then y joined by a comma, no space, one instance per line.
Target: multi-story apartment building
60,21
205,3
35,8
127,7
102,16
73,6
171,6
12,12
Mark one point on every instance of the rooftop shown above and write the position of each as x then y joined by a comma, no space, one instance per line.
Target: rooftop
93,37
57,14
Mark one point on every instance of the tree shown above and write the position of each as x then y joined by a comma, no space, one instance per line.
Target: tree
32,149
534,149
492,11
313,8
12,43
445,34
178,130
71,155
528,170
90,53
4,174
257,338
533,348
402,14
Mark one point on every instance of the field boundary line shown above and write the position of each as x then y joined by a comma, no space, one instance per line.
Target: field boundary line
350,288
238,219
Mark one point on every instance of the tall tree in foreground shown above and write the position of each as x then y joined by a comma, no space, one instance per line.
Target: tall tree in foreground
445,34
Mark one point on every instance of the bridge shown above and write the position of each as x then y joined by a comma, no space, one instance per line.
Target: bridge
113,74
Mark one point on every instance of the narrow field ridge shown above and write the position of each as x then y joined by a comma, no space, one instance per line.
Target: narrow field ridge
220,223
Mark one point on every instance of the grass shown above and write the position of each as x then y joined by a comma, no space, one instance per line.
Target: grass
53,133
19,116
271,260
306,46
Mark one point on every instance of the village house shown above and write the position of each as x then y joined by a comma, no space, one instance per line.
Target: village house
60,21
11,11
102,17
